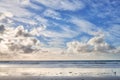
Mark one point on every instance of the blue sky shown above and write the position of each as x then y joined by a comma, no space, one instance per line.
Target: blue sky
89,24
103,15
62,19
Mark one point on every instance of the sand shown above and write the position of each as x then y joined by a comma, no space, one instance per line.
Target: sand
57,78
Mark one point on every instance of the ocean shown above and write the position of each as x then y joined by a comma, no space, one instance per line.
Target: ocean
63,64
61,68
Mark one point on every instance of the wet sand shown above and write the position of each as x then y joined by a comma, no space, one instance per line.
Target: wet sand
57,78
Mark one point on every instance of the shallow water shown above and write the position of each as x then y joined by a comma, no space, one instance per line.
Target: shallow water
94,68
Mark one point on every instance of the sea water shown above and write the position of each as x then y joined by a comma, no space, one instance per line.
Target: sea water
63,64
61,68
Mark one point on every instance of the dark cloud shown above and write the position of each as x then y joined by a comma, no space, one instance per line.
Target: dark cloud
2,28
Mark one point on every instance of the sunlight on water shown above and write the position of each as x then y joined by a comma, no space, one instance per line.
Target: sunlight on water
60,68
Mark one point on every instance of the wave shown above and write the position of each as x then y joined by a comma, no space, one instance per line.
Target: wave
63,64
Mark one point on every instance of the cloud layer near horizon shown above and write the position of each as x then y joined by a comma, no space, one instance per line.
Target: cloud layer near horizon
21,40
96,44
16,43
17,40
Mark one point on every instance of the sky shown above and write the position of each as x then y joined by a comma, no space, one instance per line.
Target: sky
63,26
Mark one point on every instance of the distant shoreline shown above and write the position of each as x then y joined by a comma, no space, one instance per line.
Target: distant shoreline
52,60
63,63
32,61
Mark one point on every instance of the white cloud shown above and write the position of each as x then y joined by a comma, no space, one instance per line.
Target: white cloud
17,40
55,34
25,2
112,34
56,42
41,20
26,21
38,30
15,7
12,10
99,44
77,47
111,9
5,17
52,14
56,38
6,14
62,4
85,26
19,11
94,45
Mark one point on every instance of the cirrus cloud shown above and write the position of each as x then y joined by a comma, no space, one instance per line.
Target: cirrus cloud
64,4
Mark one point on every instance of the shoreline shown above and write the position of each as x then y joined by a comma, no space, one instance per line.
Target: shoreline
58,78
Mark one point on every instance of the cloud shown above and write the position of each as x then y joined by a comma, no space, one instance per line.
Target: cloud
37,31
55,34
63,4
18,11
85,26
54,38
15,7
41,20
96,44
52,14
99,44
17,40
113,34
2,28
108,9
6,17
13,12
56,42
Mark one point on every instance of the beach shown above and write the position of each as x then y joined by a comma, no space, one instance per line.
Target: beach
60,70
